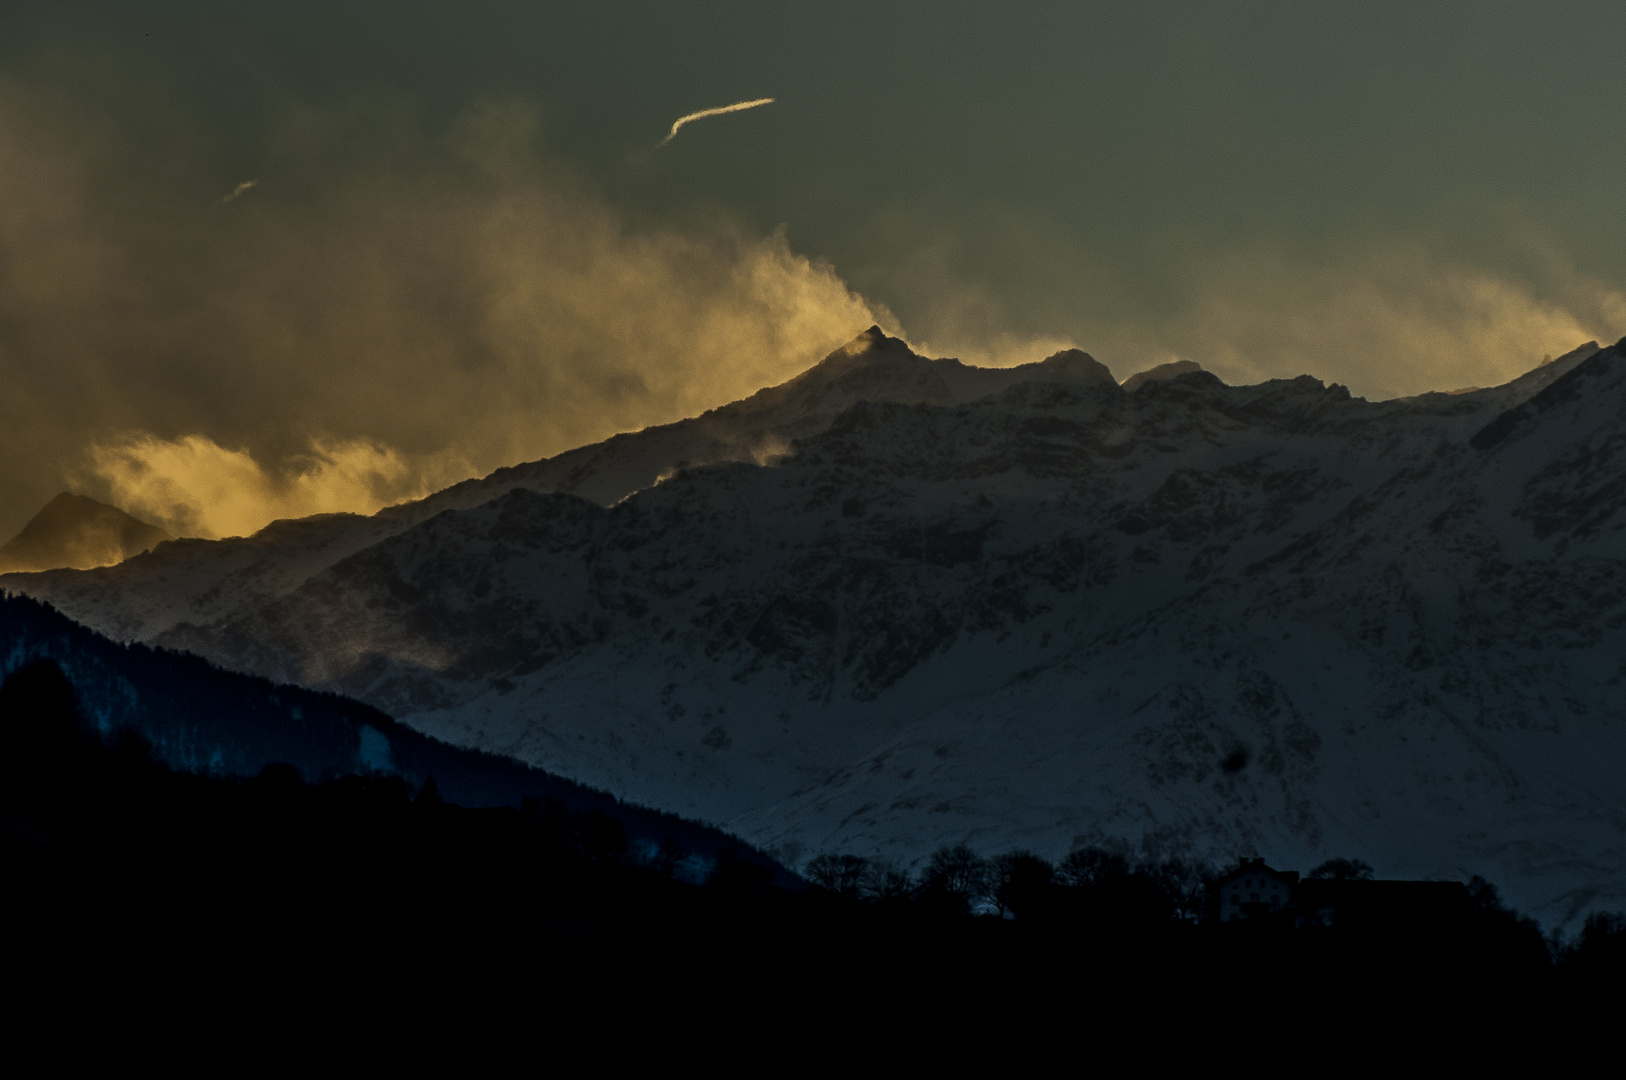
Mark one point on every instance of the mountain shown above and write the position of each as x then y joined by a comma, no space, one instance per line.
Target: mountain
898,602
202,719
1171,370
202,582
78,532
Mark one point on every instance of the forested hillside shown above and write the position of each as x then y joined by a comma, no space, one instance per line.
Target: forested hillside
198,718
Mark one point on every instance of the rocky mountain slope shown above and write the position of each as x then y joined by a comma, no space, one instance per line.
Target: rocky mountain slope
898,602
77,532
201,582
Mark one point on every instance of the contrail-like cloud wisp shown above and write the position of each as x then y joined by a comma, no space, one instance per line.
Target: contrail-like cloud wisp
239,189
703,113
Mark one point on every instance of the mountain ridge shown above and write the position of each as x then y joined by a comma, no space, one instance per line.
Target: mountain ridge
1194,618
203,719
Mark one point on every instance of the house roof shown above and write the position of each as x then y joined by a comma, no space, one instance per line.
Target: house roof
1257,866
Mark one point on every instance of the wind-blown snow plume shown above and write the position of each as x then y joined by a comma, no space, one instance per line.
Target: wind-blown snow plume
200,488
1388,319
738,106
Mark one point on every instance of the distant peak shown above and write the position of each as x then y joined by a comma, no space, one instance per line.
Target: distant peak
1172,370
1069,357
875,340
77,531
68,500
1070,366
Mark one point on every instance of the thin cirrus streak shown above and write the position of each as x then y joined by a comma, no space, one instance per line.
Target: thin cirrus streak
703,113
239,189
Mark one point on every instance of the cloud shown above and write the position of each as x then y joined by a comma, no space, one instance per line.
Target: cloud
239,189
1387,318
997,349
703,113
412,302
953,313
195,487
406,297
1389,321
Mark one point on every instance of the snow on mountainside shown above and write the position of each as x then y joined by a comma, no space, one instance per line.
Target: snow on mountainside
898,602
873,367
200,582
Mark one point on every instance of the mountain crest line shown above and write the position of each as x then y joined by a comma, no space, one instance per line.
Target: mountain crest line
738,106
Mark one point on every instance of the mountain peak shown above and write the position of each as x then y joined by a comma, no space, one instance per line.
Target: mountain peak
1073,365
1068,357
1172,370
77,532
874,340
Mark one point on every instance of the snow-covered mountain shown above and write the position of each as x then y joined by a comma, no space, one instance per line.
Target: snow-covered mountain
899,602
202,582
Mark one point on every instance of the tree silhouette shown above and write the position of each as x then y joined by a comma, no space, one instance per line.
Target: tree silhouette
38,713
1183,884
1021,883
1341,870
736,874
886,882
601,837
839,874
1088,867
668,857
1600,952
956,877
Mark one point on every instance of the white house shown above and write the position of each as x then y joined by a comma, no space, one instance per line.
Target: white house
1254,889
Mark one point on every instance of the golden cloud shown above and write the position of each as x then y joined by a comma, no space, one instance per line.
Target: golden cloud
449,308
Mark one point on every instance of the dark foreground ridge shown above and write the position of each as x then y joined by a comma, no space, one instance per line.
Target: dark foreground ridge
196,717
120,867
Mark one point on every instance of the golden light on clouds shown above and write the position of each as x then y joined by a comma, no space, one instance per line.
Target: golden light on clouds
200,488
407,305
373,335
1388,320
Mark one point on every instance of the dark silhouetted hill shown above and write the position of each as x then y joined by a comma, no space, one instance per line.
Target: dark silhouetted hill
201,719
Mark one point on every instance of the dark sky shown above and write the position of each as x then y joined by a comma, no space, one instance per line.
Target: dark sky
1398,196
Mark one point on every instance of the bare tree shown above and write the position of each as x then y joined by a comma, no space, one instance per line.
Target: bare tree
840,874
1091,866
1020,880
884,881
1341,870
1185,886
957,876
